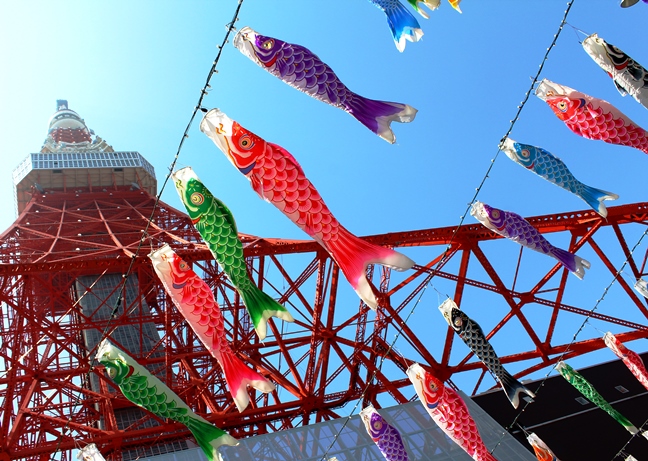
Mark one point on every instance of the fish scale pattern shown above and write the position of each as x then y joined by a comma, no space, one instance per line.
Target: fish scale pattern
302,69
554,170
585,387
549,167
193,297
196,302
595,123
283,183
453,416
474,337
136,389
448,410
592,118
519,230
216,226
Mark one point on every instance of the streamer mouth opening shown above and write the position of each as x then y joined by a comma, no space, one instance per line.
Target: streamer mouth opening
184,174
218,127
243,41
548,89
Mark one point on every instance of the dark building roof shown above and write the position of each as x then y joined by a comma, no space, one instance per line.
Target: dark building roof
572,427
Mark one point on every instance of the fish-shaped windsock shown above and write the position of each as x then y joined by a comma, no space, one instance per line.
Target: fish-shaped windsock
631,359
472,334
384,435
629,3
300,68
449,412
642,287
431,4
518,229
541,450
551,168
216,225
585,387
90,453
402,24
195,301
276,176
592,118
628,75
145,390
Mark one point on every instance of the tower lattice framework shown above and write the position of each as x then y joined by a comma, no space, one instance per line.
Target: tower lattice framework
336,353
74,269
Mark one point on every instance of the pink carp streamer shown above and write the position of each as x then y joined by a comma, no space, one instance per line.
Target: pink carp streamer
592,118
449,411
631,359
277,177
195,301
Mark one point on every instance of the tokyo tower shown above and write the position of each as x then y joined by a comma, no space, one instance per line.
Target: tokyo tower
74,270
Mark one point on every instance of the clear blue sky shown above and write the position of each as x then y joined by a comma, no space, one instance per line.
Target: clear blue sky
134,70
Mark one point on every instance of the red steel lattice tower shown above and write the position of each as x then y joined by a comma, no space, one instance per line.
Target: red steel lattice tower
74,269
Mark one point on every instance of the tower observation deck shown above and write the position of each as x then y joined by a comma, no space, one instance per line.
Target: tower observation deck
74,159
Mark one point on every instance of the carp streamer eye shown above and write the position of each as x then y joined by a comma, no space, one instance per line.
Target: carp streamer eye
377,425
457,322
183,266
197,198
268,44
495,214
562,106
525,153
432,386
246,143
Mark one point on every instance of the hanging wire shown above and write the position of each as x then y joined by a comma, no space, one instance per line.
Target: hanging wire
443,260
122,292
370,380
568,348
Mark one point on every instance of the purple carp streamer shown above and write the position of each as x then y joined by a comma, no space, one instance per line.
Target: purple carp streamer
302,69
384,435
518,229
592,118
431,4
402,24
554,170
628,75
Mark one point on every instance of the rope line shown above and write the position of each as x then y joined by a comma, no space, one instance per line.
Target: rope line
567,349
122,293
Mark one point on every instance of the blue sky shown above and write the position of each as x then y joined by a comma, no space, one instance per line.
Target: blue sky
134,71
